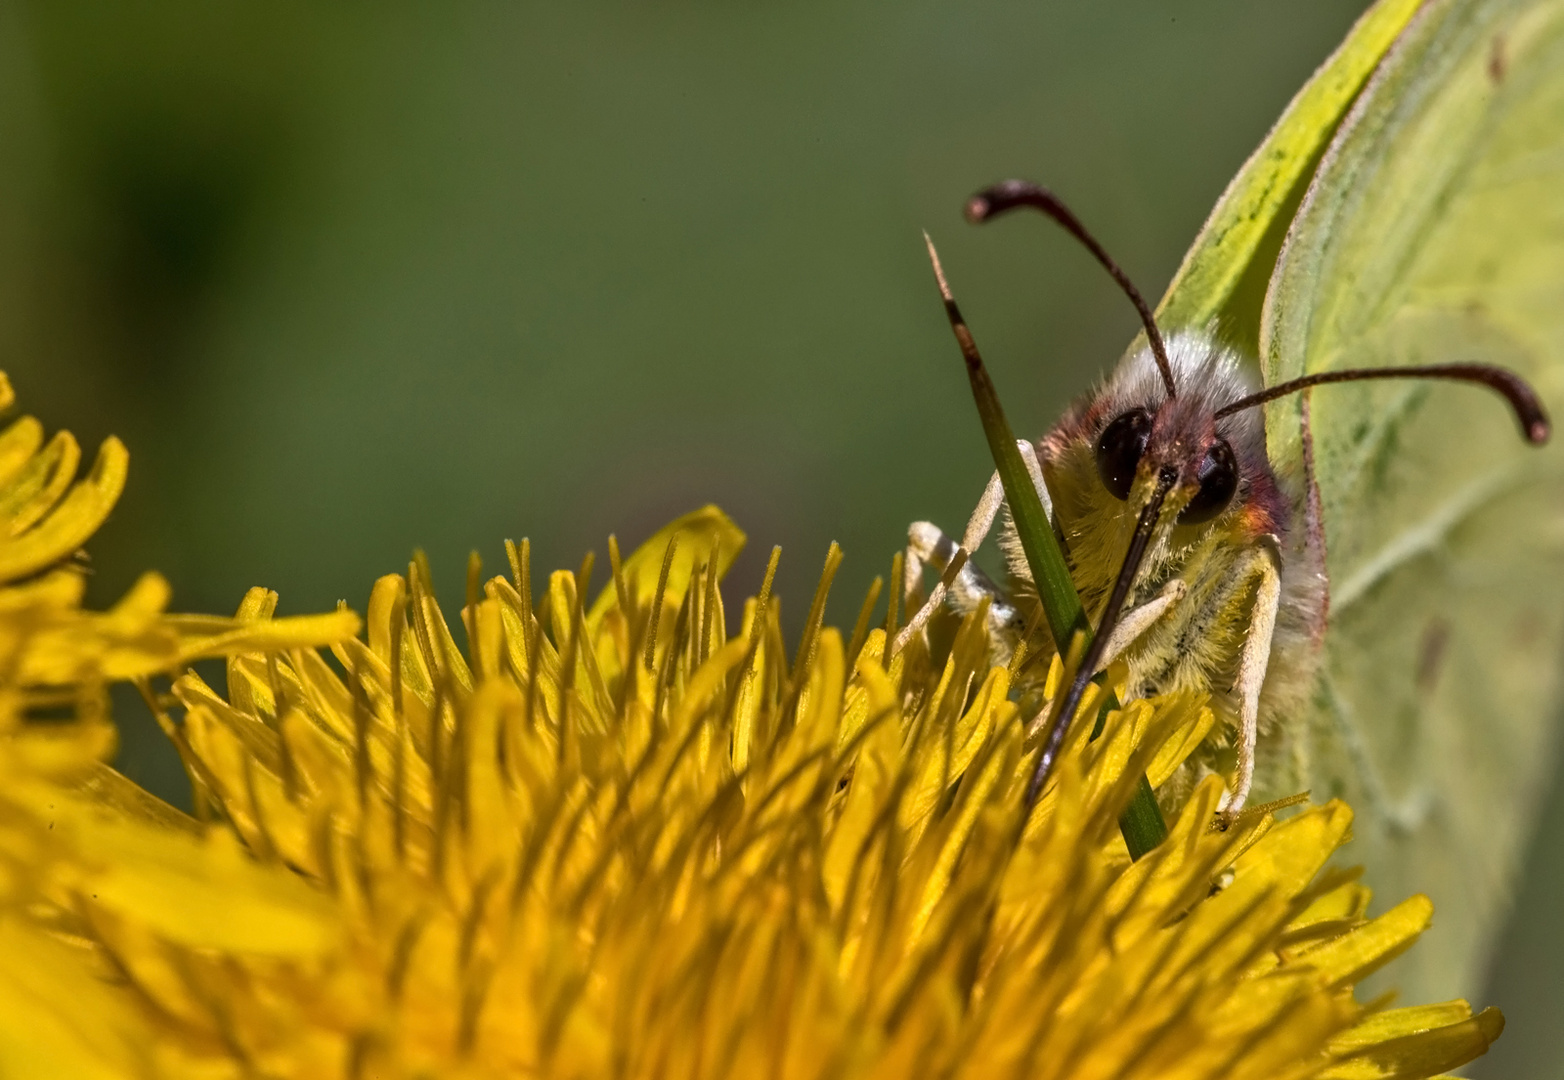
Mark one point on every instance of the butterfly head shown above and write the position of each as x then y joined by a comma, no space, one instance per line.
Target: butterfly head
1175,435
1173,440
1144,438
1130,443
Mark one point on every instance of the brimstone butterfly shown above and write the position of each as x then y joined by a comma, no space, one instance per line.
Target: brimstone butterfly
1406,211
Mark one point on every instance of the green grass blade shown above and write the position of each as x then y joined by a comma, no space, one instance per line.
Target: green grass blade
1141,823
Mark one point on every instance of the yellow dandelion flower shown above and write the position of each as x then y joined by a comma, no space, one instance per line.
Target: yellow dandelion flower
615,839
56,660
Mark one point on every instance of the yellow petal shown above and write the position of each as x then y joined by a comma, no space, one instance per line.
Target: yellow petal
18,443
1436,1042
1356,955
697,533
62,1019
270,635
75,518
27,496
202,892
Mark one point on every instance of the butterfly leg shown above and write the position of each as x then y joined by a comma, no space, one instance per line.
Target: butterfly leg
1252,664
1136,621
969,588
927,545
1132,624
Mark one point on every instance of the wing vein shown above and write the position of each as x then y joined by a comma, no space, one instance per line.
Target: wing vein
1423,536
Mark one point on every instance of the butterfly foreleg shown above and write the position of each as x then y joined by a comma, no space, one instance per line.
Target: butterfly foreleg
1252,664
928,546
1136,621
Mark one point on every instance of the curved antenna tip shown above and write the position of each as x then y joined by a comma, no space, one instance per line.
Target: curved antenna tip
1516,391
1007,195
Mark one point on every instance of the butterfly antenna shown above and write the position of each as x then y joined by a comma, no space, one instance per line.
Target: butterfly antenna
1535,427
1009,194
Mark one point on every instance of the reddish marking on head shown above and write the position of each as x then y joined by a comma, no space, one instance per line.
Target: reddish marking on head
1266,511
1081,423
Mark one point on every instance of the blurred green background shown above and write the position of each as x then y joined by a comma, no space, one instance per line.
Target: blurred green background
352,278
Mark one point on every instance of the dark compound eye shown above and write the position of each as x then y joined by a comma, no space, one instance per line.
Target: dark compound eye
1218,476
1119,450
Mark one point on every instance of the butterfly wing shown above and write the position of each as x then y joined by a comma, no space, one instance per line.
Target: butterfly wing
1221,283
1434,231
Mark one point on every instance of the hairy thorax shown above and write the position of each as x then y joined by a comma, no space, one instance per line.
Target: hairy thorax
1197,645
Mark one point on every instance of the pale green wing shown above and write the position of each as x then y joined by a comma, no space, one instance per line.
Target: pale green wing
1434,231
1222,279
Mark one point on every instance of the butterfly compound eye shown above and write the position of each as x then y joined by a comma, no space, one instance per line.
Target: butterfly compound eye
1218,476
1119,450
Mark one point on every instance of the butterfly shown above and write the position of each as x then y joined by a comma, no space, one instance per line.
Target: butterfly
1368,579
